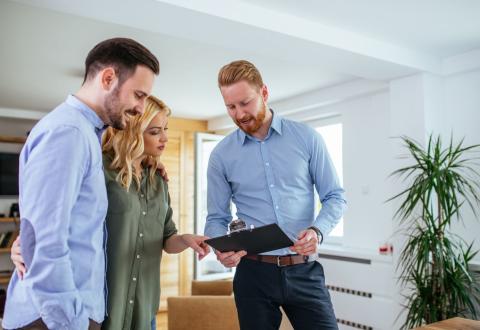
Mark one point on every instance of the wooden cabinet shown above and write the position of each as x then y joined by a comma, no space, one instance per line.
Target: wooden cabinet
7,225
8,144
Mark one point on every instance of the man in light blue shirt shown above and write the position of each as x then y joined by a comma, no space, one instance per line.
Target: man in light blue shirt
269,168
63,199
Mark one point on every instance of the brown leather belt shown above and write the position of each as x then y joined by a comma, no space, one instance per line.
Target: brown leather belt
282,261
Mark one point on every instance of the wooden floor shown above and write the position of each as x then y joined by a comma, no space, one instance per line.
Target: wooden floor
162,321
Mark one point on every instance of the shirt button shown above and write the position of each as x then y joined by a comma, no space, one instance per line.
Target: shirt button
134,279
138,256
144,213
131,301
263,142
141,234
267,163
272,185
142,195
276,207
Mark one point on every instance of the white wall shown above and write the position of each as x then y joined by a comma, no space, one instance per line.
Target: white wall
462,103
462,117
365,170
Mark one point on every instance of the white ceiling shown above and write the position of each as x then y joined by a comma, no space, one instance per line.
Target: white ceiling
298,46
438,27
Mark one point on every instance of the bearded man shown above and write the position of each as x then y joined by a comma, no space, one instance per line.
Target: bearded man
63,199
269,168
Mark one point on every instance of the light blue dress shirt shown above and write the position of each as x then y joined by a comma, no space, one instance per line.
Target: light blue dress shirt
272,181
63,203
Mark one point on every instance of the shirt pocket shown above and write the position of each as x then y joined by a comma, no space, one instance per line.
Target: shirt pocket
119,200
160,212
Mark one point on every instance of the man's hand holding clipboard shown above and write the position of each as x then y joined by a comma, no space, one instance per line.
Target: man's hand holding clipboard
233,246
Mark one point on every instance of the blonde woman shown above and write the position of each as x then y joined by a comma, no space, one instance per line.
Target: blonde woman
139,219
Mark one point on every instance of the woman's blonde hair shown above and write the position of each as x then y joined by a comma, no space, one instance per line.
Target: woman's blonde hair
126,146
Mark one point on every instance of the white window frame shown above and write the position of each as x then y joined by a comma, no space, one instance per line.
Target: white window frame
200,202
336,240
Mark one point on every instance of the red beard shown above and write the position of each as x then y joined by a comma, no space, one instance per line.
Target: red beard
250,127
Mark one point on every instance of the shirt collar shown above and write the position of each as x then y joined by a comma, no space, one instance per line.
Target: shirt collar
276,123
276,126
87,112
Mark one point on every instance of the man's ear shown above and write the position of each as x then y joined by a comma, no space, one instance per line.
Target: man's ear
264,92
108,77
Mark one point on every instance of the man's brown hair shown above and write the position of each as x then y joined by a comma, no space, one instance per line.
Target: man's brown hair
123,54
237,71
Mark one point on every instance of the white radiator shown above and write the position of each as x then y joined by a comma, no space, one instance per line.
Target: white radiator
363,290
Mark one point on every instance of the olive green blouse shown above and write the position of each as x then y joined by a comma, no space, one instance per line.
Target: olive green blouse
138,223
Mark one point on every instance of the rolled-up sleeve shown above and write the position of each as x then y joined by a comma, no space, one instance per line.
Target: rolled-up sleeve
51,178
170,228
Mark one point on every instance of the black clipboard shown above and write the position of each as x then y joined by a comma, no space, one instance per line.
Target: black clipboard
254,241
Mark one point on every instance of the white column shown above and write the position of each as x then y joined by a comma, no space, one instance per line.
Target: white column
416,111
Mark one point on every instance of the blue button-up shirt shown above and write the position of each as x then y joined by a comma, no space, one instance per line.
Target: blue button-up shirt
272,181
63,203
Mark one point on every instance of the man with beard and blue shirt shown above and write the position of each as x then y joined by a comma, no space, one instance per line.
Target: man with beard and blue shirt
63,200
269,168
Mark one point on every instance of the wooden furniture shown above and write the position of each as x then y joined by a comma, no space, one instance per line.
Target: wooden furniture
8,224
456,323
9,220
12,139
6,265
212,288
212,309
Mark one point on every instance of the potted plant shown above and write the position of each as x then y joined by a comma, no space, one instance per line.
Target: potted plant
434,263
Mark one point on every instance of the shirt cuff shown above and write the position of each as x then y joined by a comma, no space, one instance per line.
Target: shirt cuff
319,234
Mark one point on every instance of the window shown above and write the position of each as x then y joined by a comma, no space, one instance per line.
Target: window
332,135
208,268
